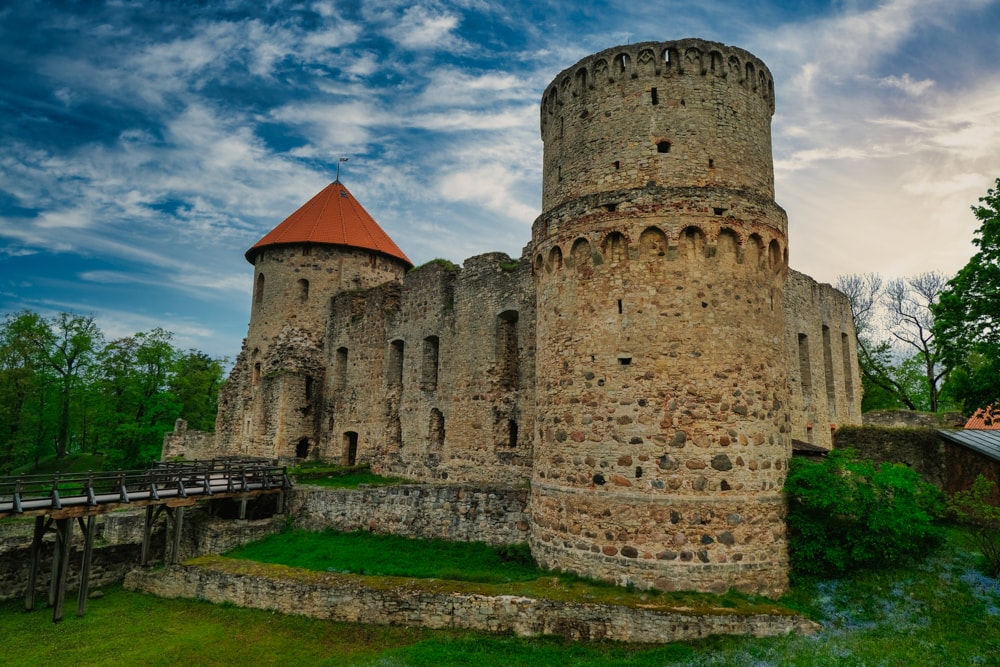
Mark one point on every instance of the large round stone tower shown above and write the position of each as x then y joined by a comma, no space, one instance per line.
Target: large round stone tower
659,261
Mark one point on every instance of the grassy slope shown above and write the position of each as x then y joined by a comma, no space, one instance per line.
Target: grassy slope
939,613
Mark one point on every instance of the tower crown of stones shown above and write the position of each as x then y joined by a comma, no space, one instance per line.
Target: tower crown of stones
679,113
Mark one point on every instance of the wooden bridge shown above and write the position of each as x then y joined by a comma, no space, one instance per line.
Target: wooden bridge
57,500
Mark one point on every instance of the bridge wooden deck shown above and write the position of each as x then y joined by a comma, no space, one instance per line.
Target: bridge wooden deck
57,500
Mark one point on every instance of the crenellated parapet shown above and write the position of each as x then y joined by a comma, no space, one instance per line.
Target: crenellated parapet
680,113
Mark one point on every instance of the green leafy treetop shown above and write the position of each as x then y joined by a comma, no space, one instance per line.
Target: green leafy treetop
967,315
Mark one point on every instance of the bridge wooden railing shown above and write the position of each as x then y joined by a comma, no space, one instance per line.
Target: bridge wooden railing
56,500
80,494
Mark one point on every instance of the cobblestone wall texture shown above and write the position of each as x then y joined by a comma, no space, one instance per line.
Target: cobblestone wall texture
645,364
495,515
396,601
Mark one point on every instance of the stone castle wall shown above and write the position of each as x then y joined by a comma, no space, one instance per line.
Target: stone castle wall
823,375
491,514
400,601
432,379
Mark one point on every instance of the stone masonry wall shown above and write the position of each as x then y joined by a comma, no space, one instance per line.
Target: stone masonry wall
397,601
495,515
433,379
660,259
117,549
823,375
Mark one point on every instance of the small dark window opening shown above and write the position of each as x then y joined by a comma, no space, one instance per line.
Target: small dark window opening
618,164
620,311
302,448
309,388
340,368
512,434
625,361
719,210
350,455
653,96
638,472
662,146
711,163
584,114
611,208
306,250
429,364
559,173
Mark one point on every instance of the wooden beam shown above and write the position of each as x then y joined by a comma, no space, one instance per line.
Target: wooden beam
88,550
60,569
36,555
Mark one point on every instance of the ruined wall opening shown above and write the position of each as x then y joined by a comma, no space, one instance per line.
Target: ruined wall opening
350,448
429,364
805,374
662,146
308,387
302,448
845,353
654,98
303,290
256,373
394,364
508,357
831,391
512,434
340,368
435,437
615,247
692,244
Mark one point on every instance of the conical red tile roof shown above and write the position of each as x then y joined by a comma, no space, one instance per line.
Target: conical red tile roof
332,217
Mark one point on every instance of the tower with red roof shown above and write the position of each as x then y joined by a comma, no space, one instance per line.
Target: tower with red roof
329,245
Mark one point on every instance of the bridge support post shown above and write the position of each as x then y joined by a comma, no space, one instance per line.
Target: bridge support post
147,533
88,550
36,556
175,548
60,567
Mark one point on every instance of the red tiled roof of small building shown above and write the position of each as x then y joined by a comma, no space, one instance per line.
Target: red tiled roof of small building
332,217
985,419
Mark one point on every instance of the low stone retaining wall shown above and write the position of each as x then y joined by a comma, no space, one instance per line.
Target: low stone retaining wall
495,515
402,601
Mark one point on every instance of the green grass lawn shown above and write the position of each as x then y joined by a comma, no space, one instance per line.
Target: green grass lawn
391,555
939,612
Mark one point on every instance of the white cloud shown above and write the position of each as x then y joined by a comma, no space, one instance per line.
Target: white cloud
907,84
421,27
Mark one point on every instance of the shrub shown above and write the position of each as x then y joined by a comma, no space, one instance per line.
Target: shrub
845,513
972,507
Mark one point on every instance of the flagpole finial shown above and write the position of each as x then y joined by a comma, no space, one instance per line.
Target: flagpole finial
343,159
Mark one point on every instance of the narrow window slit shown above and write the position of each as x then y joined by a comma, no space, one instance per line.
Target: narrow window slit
653,96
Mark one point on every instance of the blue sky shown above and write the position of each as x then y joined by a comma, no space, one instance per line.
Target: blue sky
147,145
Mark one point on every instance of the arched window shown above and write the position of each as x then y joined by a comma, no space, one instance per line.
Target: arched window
303,286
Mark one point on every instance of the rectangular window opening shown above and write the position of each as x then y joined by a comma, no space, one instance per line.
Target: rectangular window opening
653,96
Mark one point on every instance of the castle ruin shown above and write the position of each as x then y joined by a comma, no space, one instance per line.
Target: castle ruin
646,365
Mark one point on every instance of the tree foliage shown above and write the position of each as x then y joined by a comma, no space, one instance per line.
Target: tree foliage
63,389
898,352
845,513
967,315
